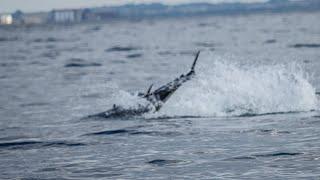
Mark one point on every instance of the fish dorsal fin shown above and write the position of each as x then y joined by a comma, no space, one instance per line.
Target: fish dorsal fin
149,90
195,61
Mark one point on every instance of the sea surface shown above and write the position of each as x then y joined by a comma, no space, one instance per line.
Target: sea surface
251,112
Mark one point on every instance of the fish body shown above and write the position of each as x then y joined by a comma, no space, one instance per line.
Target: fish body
156,98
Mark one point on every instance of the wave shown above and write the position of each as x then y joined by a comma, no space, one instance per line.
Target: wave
127,132
166,162
122,48
312,45
7,39
268,155
136,55
24,145
82,64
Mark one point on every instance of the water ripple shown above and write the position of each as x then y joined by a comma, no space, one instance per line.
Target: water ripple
135,132
164,162
302,45
23,145
121,48
267,155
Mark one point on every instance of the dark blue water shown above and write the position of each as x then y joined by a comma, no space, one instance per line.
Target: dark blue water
252,111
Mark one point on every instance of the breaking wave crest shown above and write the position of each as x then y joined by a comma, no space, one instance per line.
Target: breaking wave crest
226,88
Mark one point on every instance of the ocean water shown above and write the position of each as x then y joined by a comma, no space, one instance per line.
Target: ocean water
251,112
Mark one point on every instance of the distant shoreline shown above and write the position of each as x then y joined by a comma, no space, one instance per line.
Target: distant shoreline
155,11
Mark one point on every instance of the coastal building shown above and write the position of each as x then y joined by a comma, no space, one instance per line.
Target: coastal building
18,17
90,16
35,18
6,19
66,16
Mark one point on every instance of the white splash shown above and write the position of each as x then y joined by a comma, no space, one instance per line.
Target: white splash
223,88
127,100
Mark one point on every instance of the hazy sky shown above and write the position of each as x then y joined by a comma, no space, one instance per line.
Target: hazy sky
45,5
